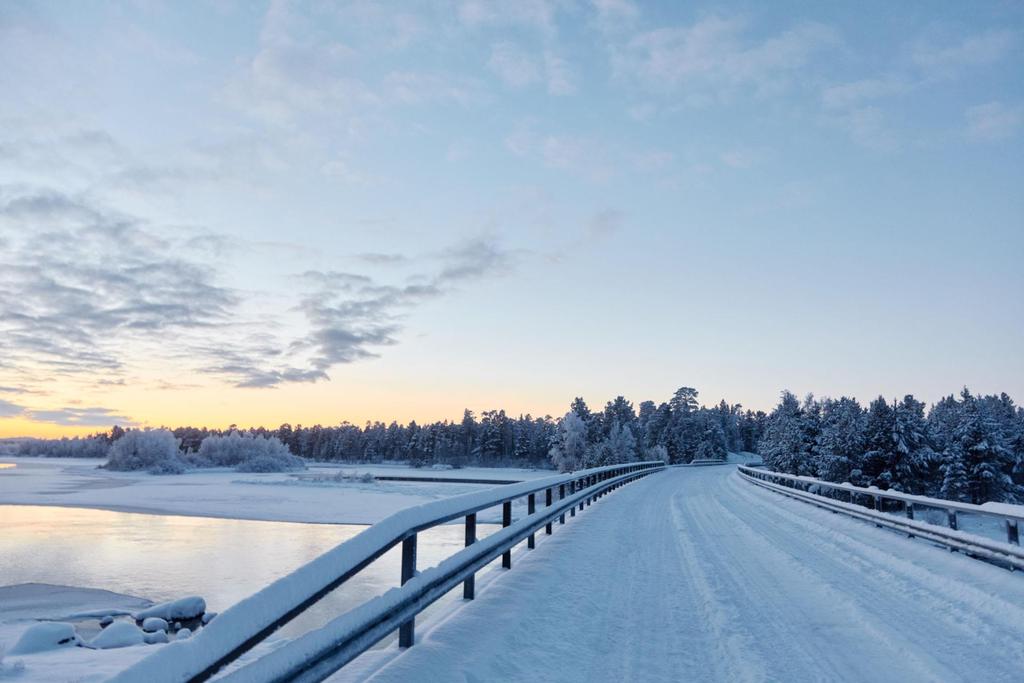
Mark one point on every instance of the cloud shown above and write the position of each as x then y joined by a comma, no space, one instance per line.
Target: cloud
604,223
980,49
518,69
8,409
714,58
80,417
994,121
561,80
78,281
615,15
538,15
303,73
350,316
513,65
378,258
867,126
856,93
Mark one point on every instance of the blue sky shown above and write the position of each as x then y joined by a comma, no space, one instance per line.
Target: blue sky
309,212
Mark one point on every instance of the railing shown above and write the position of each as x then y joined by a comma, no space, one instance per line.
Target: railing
319,653
799,487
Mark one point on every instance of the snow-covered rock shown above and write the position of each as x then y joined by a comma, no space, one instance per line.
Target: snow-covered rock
48,635
184,634
208,617
106,621
153,624
184,608
119,634
156,637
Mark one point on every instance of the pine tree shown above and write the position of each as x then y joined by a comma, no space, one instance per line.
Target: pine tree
840,441
786,446
569,449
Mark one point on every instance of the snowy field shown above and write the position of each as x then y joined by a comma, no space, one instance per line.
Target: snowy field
285,497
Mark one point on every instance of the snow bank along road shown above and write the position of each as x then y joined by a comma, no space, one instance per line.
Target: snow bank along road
694,575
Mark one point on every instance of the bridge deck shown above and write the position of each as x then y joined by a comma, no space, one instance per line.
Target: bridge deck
693,574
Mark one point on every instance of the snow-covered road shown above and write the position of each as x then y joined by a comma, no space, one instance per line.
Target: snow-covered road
693,574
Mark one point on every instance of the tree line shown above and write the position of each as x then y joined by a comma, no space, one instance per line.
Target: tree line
677,430
967,448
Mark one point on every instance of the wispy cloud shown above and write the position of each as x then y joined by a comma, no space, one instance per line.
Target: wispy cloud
77,279
8,409
350,316
714,57
515,66
994,121
378,258
950,55
81,417
856,93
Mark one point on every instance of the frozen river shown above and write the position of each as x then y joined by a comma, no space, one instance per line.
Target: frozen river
162,557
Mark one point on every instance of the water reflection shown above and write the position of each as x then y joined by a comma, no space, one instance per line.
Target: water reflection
162,557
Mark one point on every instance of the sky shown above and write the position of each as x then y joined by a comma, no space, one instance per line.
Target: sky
255,213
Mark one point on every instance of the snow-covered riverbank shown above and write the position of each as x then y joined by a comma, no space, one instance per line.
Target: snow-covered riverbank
285,497
208,532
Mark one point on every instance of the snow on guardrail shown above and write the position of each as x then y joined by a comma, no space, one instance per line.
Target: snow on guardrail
1009,552
259,614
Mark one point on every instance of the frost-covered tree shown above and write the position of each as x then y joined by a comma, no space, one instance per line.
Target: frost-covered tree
245,452
618,411
786,445
77,447
569,450
153,450
621,444
917,464
880,451
840,441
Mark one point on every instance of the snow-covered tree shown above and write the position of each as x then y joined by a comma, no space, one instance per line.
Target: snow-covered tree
621,444
153,450
245,452
786,444
840,441
916,466
569,450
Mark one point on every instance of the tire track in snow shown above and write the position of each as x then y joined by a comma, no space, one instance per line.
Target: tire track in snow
966,613
834,636
985,593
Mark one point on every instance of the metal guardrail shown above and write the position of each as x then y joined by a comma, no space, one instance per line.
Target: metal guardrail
798,487
316,655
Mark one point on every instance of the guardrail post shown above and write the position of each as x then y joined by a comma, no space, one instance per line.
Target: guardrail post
572,490
878,507
910,513
469,585
407,631
531,507
951,516
1012,533
547,498
506,520
561,495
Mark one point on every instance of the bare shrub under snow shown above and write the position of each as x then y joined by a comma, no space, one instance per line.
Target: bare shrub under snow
153,450
246,453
